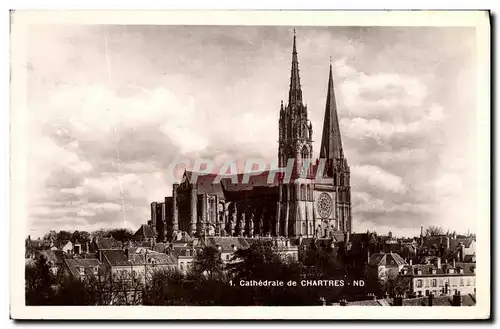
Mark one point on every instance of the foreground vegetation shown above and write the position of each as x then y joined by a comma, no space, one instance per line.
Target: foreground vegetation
209,282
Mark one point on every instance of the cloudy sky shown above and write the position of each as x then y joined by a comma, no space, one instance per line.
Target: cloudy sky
111,106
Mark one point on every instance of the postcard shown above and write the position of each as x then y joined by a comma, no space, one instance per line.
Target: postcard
250,165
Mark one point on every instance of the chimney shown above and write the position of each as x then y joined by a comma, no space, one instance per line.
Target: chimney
87,246
430,299
454,263
462,252
438,262
411,262
398,301
447,242
457,299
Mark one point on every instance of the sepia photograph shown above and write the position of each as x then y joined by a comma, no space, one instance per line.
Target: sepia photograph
305,161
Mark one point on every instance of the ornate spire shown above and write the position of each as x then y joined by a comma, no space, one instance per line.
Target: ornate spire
295,94
331,143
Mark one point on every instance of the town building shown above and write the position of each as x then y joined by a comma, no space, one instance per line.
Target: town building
385,266
53,258
82,268
431,300
440,279
135,263
227,246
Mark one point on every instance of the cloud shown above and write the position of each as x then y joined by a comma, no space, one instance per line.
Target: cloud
101,138
376,178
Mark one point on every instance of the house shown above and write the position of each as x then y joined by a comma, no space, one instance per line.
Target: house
32,246
54,258
226,245
82,268
138,263
385,266
185,256
181,239
77,248
431,300
97,246
463,248
145,233
440,279
457,246
287,248
67,247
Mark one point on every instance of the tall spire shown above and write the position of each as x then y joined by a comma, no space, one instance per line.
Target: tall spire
331,143
295,94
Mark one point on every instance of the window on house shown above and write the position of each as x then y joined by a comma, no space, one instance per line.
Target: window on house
434,283
441,282
461,282
419,283
426,283
469,282
227,257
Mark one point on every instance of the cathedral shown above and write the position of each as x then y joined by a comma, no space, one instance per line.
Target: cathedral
302,206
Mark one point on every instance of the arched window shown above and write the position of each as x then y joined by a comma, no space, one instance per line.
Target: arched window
305,153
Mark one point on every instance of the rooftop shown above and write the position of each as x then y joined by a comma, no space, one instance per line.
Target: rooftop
86,264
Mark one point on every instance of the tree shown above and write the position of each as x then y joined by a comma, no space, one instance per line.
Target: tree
434,230
62,238
398,285
121,234
51,236
39,283
260,261
208,261
80,236
72,291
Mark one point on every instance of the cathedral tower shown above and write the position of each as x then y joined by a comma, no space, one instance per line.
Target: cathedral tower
295,143
336,167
